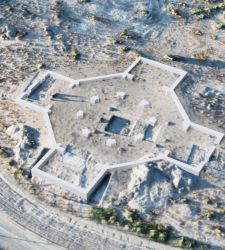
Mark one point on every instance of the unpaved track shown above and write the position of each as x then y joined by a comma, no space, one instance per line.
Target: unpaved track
55,230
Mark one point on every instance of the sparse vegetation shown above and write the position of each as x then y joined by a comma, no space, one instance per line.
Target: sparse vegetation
207,201
132,221
104,215
134,54
219,232
127,34
124,48
209,214
201,55
174,12
197,32
184,242
209,10
220,26
4,152
144,12
113,41
75,54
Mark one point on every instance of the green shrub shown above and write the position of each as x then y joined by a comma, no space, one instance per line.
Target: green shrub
75,54
222,211
104,215
131,215
219,233
209,214
219,26
162,237
153,234
4,152
184,242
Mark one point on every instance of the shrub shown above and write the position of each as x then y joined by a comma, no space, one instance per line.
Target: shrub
222,211
104,215
131,215
219,26
153,234
184,242
219,233
209,214
75,54
5,152
162,237
124,49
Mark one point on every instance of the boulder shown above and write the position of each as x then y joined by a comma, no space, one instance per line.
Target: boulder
111,143
95,99
176,177
14,131
144,104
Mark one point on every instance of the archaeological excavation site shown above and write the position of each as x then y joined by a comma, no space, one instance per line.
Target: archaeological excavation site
98,125
126,140
112,125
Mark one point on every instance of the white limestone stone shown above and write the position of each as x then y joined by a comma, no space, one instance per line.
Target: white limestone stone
95,99
144,104
176,177
14,131
152,121
138,137
111,143
80,114
121,95
167,152
50,108
86,132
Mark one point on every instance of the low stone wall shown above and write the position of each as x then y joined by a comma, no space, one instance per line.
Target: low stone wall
86,192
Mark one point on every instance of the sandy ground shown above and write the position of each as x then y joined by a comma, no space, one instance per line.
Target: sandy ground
96,31
13,236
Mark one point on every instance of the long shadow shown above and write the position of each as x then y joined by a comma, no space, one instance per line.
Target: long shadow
67,97
205,63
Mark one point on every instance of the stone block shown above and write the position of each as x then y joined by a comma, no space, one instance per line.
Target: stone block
95,99
111,143
152,121
138,137
144,104
80,114
86,132
121,95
